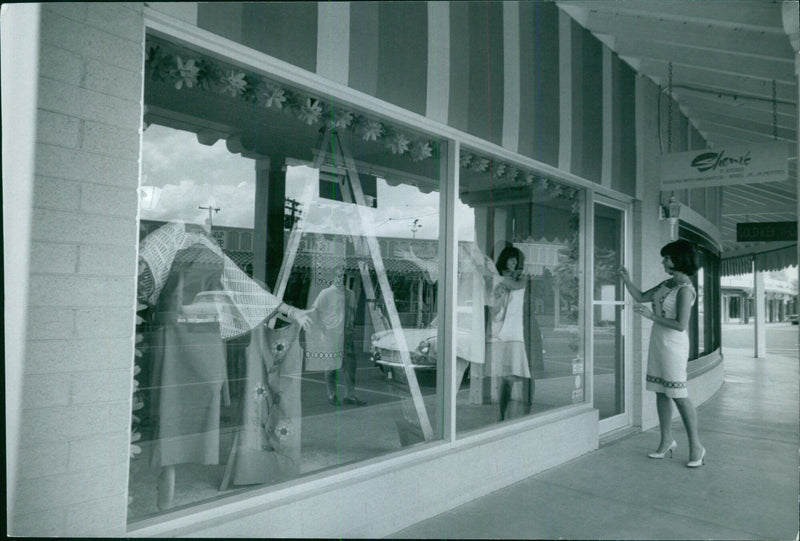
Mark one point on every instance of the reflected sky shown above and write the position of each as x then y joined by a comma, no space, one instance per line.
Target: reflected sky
179,174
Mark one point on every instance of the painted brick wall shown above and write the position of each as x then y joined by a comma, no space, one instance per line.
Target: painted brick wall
76,408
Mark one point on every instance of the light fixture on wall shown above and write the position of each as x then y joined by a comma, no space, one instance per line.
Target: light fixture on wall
671,211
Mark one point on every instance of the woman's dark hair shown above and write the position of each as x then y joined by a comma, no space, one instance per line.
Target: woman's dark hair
683,255
507,253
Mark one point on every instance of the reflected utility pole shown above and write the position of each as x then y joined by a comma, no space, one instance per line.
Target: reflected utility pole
414,227
209,220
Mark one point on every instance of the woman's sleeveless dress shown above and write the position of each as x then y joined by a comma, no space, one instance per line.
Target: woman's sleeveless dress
507,343
669,349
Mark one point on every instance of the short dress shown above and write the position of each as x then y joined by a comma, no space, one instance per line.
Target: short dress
507,343
669,348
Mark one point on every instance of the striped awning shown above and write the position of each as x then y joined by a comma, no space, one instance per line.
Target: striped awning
771,260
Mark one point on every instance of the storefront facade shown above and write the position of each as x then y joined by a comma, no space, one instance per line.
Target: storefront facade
403,143
780,298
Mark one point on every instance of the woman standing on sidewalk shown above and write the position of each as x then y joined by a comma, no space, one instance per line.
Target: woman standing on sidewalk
669,344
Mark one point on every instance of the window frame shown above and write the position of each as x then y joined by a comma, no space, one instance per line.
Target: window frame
205,42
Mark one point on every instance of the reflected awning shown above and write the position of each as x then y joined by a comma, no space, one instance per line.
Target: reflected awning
775,259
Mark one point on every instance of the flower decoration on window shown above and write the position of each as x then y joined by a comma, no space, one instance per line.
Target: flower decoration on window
187,71
160,65
421,150
398,144
233,83
339,119
512,173
271,95
509,175
137,402
373,130
480,164
310,111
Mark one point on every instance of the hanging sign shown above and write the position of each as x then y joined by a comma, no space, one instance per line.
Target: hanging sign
766,231
755,163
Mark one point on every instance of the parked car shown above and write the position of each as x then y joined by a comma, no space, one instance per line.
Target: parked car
793,318
422,344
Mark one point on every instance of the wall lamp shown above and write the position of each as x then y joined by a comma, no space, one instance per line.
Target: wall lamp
671,211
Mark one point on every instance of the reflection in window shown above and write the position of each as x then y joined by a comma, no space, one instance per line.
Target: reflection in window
254,220
701,317
519,293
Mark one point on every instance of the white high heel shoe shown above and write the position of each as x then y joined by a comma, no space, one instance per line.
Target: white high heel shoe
699,462
669,449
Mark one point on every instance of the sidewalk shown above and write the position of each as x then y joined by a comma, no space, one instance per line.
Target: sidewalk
748,488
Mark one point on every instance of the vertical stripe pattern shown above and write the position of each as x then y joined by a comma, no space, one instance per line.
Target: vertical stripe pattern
333,40
626,99
539,81
438,91
363,65
609,118
511,75
522,75
285,30
485,118
460,39
565,84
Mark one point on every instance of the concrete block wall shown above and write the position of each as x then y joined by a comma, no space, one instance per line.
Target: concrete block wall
649,235
377,503
75,426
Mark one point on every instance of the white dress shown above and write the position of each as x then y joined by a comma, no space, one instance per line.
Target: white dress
507,348
669,348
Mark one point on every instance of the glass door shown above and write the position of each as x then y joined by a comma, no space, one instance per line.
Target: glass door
610,371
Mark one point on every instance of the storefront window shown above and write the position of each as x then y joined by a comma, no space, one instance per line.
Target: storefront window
705,324
519,296
287,293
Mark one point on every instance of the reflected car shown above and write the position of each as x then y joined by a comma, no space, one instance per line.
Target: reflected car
422,344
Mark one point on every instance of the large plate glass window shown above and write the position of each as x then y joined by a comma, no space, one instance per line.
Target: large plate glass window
519,293
705,324
287,292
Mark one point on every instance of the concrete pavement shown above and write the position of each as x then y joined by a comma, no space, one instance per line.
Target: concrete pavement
748,488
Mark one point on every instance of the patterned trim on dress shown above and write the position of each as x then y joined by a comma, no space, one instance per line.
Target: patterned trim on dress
324,354
666,383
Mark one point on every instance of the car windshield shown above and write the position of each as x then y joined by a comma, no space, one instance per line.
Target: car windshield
464,319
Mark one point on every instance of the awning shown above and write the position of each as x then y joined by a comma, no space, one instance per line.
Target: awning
770,260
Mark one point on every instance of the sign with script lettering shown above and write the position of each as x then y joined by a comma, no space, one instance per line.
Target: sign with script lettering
755,163
766,231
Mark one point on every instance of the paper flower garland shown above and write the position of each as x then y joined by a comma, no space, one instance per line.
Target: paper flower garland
310,111
398,144
187,72
209,75
373,130
205,74
233,83
421,150
272,95
340,120
508,175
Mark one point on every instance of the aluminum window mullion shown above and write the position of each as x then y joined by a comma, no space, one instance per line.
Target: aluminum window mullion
587,224
448,247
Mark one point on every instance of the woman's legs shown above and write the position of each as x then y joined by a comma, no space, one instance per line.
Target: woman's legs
330,383
505,396
664,408
689,416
